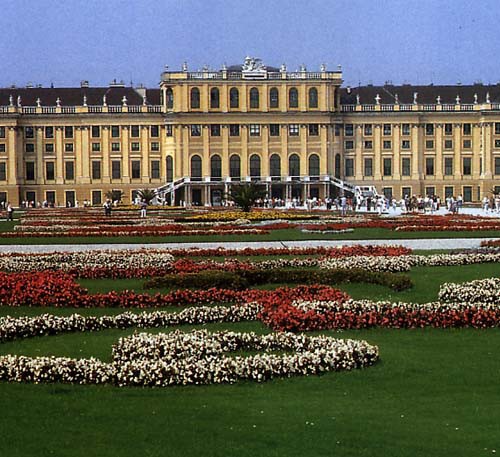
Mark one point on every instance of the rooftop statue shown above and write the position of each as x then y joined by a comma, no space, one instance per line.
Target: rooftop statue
253,64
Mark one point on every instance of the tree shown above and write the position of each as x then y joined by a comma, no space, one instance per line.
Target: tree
146,194
114,195
245,195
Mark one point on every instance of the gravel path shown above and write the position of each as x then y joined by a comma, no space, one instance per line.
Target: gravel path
454,243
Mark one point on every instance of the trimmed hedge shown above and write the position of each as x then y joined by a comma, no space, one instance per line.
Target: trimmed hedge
248,278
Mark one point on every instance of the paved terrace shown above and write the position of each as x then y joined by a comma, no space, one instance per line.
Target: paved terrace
427,244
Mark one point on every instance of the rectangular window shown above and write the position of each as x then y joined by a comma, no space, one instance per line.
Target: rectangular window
136,169
293,129
134,131
387,166
349,144
497,128
448,129
467,144
115,131
387,144
30,171
274,130
234,130
195,130
2,147
405,144
30,147
368,129
368,166
155,169
135,146
429,144
349,167
313,129
155,146
169,130
254,130
448,166
49,132
68,147
387,129
154,131
29,132
96,197
49,171
2,132
50,196
69,170
448,144
497,144
406,192
3,171
116,169
406,166
368,144
214,129
467,194
337,129
348,130
96,169
115,147
467,166
429,166
448,192
96,147
68,132
49,147
430,191
405,129
467,129
387,191
429,129
95,131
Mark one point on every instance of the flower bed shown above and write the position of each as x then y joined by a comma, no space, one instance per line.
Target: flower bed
479,291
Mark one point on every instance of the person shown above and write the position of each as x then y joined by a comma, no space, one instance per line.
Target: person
10,212
144,207
107,207
343,205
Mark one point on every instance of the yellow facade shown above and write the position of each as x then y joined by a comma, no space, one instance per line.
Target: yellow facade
299,134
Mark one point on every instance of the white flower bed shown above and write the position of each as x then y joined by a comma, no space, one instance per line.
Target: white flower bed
406,262
479,291
66,261
178,358
199,357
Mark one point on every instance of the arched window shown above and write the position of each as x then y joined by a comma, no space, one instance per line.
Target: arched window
293,98
275,167
235,167
314,166
214,97
254,97
274,98
234,98
294,166
337,166
170,169
170,98
255,166
196,167
195,98
216,167
313,97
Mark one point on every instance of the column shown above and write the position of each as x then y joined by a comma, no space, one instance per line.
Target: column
84,157
304,170
487,156
12,153
244,152
183,166
225,152
417,151
78,153
264,162
205,161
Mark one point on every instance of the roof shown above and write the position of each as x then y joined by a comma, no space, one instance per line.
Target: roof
425,94
73,96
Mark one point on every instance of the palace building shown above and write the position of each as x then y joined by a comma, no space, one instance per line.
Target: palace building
300,134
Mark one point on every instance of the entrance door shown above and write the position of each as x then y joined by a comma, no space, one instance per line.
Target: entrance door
196,197
70,198
216,197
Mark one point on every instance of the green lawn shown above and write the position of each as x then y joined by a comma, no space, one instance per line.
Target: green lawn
433,393
274,235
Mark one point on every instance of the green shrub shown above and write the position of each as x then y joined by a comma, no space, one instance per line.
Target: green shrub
247,278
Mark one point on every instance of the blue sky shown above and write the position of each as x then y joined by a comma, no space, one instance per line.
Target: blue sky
413,41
